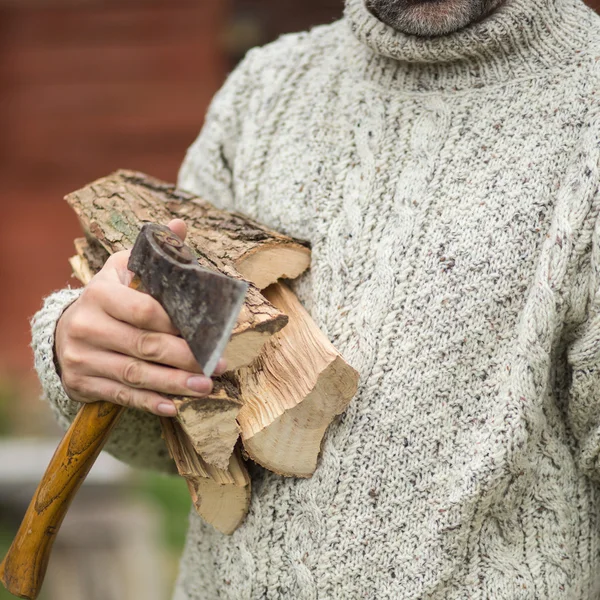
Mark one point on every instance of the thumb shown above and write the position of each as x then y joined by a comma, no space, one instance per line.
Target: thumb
179,228
115,268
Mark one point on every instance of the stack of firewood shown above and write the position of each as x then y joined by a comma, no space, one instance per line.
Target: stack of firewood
285,383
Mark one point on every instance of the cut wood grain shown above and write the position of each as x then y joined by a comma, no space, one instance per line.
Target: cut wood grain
292,392
220,496
211,422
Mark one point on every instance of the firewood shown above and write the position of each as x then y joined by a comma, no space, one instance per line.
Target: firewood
298,383
112,211
81,264
220,496
292,392
210,422
258,253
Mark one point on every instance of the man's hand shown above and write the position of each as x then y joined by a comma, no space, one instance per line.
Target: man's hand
119,345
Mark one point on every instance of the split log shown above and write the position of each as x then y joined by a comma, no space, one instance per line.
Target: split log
292,392
299,383
220,496
112,210
258,253
211,421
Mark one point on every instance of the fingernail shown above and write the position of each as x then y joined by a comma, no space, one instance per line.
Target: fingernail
199,384
166,409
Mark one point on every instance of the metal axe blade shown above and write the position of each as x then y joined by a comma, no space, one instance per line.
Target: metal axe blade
204,305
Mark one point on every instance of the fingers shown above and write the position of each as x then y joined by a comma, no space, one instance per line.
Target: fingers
119,345
143,339
129,306
94,389
221,367
139,374
123,338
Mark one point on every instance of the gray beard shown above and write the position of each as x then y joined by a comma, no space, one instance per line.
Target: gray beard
430,17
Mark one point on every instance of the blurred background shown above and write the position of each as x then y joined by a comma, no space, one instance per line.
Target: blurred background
86,87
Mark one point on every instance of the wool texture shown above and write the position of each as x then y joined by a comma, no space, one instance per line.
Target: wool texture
449,188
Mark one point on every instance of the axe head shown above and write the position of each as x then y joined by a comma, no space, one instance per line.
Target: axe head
204,305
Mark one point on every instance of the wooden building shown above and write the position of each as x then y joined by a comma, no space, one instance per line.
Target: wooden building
87,86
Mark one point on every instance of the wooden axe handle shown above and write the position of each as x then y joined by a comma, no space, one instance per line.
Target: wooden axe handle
24,566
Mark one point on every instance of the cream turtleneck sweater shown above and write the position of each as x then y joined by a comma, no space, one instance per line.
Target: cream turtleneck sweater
449,187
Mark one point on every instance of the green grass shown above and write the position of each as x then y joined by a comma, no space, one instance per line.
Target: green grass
8,397
171,496
5,537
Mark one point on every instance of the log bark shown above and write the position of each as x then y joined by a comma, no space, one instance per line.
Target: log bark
258,253
292,392
210,422
112,211
220,496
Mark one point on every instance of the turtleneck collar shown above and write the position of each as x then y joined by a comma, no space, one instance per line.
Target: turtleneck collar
519,39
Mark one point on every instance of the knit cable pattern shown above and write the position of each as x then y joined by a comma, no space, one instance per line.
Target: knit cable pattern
449,189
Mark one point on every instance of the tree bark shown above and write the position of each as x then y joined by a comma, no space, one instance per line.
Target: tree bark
257,253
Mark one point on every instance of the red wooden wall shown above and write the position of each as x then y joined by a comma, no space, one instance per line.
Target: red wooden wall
86,88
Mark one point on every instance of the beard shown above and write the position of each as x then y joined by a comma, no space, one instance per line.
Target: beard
430,17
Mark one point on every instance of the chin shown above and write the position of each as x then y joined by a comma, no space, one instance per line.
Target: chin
430,17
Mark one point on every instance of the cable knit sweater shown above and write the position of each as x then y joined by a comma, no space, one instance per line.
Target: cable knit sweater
449,187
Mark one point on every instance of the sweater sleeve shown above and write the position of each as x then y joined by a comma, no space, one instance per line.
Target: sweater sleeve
583,358
207,171
136,439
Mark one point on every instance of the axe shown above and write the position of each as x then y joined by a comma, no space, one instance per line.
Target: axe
204,306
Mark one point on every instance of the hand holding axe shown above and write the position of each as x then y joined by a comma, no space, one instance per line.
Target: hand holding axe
204,306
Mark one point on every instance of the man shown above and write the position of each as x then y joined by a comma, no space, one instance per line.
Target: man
443,159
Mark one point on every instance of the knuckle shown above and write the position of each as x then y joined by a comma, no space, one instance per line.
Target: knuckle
70,359
93,292
148,346
123,396
79,325
133,373
145,312
73,382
